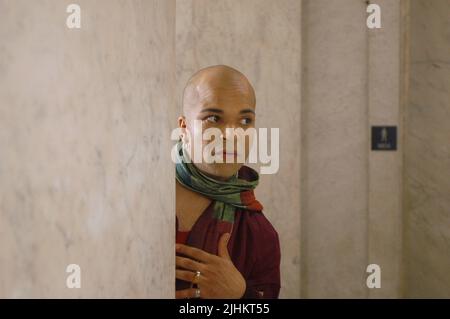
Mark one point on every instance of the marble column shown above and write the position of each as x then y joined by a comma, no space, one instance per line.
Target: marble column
386,98
85,171
351,196
427,160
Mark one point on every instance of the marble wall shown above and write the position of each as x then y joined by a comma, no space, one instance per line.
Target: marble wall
335,150
351,196
85,169
427,160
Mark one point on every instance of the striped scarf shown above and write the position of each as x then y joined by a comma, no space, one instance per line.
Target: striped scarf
234,193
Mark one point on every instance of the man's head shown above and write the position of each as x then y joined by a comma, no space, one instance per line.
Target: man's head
220,97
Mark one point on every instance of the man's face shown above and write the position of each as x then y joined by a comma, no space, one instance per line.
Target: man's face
221,108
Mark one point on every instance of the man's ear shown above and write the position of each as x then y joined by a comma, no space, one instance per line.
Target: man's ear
182,125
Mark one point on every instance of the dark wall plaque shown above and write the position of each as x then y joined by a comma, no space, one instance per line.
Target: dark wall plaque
384,138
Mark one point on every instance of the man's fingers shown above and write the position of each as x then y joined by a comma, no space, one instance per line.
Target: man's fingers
186,275
193,252
185,293
188,264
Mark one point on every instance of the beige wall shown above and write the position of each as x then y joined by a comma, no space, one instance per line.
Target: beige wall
427,157
84,135
351,196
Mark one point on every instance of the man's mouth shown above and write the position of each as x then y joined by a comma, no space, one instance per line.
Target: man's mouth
225,153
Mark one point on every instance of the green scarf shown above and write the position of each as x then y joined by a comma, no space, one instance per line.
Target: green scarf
228,195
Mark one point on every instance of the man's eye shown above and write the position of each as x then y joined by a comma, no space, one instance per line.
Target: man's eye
212,118
246,121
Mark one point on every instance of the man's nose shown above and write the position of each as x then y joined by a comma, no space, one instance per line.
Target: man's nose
228,132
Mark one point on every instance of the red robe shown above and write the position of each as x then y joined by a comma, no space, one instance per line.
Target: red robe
254,248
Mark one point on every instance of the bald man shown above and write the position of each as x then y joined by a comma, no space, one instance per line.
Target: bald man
223,250
220,97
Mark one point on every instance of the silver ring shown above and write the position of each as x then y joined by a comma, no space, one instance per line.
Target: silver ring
197,293
196,278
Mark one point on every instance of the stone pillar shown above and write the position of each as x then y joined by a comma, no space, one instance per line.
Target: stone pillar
427,160
85,171
351,196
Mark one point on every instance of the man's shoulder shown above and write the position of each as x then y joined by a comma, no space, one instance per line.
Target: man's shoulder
263,239
258,225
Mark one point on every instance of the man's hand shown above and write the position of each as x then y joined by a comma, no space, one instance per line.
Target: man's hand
219,277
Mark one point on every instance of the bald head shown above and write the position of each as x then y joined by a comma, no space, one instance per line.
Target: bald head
218,97
217,83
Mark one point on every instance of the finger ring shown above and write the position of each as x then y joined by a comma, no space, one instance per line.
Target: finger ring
196,277
197,293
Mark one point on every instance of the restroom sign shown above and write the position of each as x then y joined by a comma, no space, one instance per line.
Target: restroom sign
384,138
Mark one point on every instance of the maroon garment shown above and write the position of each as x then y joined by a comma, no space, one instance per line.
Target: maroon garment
254,249
182,237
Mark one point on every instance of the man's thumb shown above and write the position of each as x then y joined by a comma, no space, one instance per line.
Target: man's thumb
222,248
